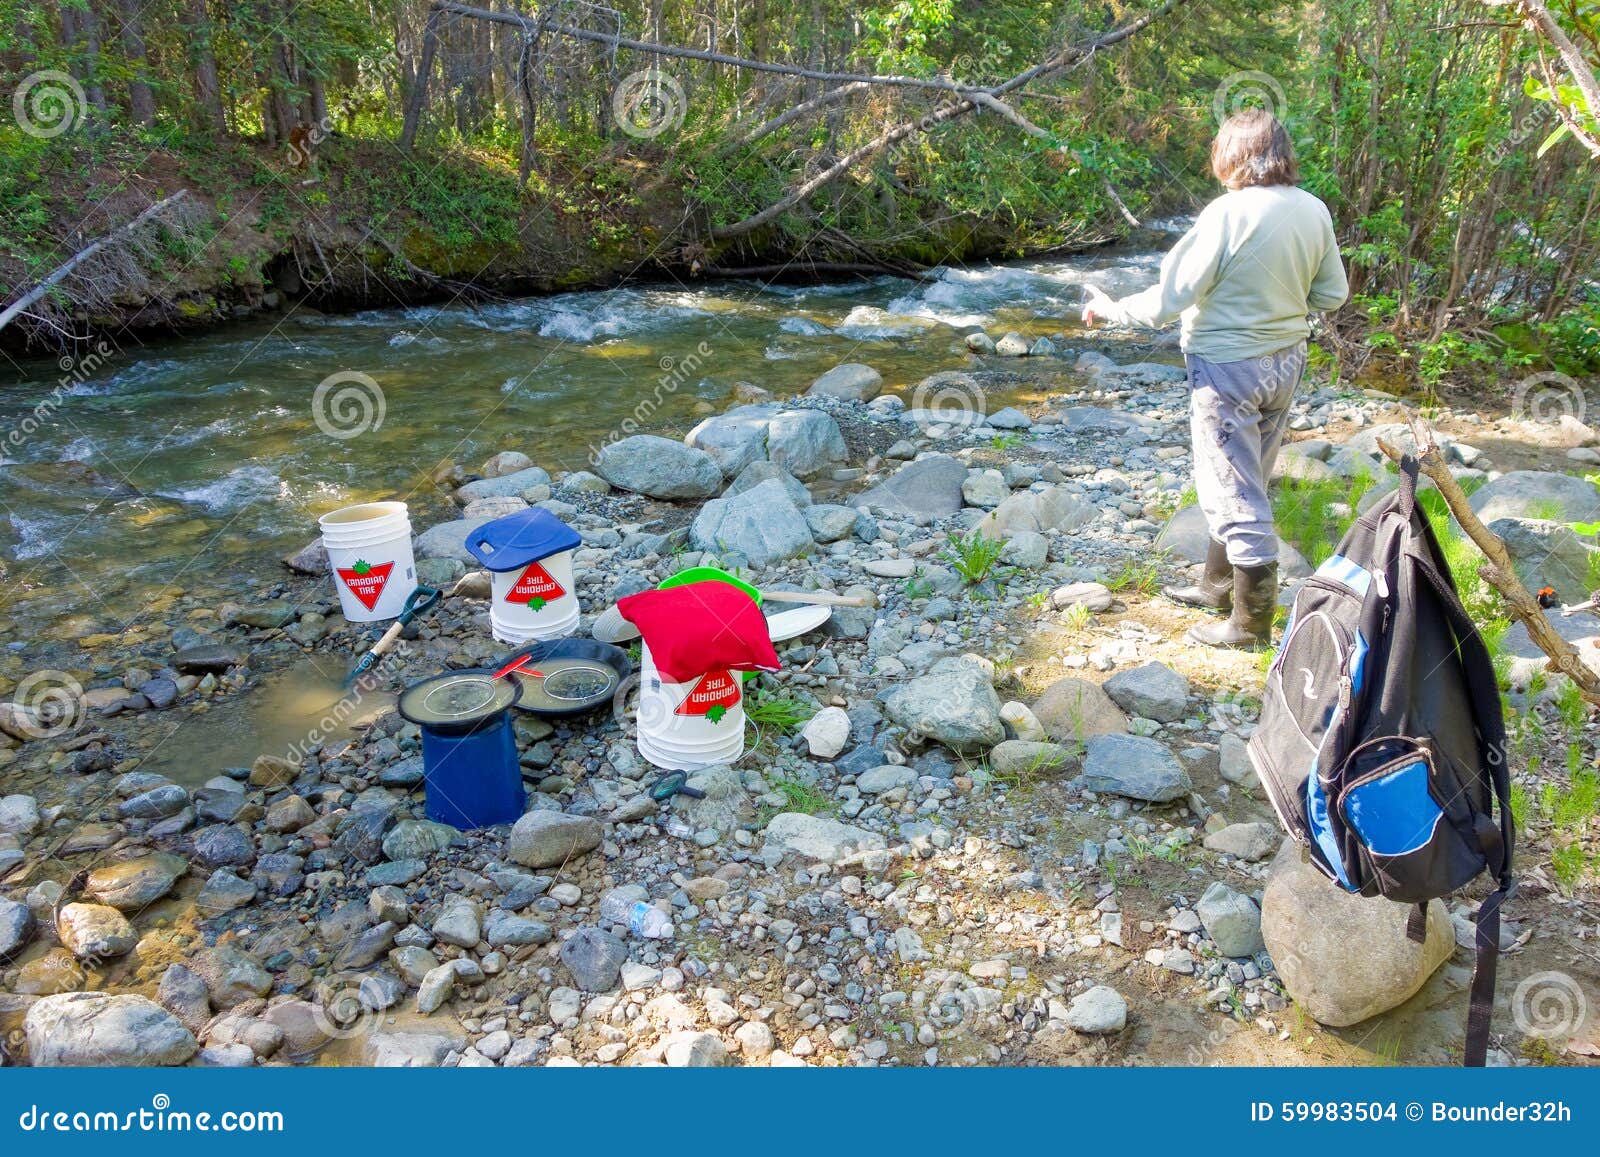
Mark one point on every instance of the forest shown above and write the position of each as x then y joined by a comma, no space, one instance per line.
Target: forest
176,162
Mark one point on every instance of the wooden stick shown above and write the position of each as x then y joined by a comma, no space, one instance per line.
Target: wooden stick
1498,571
818,598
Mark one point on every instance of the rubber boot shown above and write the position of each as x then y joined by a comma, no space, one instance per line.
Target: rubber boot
1255,602
1214,591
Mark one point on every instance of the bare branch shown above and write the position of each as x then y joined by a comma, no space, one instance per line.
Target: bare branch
1499,571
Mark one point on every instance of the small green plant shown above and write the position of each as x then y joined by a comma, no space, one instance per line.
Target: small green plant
1572,706
1077,617
780,712
801,797
1142,577
1003,442
1569,862
1521,803
1038,601
917,587
974,556
1572,806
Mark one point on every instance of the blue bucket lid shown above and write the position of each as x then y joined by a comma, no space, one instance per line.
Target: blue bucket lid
520,538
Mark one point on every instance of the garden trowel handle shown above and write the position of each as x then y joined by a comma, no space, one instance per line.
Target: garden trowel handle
418,602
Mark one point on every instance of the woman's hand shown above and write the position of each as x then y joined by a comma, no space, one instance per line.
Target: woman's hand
1097,307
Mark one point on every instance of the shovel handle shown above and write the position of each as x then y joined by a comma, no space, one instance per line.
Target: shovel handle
817,598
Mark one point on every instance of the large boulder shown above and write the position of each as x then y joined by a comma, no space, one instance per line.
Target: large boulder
594,958
850,382
761,523
1072,710
818,838
1101,1009
659,468
801,442
761,471
930,486
954,703
734,439
230,975
503,486
1542,494
411,1050
1050,508
132,885
95,931
449,539
96,1028
1134,766
1547,554
543,839
16,927
804,442
1153,690
1344,957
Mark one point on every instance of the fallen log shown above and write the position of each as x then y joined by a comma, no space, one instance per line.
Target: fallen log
65,269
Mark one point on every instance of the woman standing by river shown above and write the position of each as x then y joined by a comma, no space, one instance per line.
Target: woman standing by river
1257,261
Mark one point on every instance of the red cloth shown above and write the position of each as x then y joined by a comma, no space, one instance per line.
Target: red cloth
700,627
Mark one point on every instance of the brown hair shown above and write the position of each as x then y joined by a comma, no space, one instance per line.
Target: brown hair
1252,148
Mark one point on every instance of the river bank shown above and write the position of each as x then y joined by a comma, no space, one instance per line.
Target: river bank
1015,828
257,233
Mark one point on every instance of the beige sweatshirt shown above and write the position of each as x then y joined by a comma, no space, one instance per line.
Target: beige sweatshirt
1244,277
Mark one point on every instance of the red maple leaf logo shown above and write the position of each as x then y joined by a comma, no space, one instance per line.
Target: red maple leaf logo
536,587
713,694
366,581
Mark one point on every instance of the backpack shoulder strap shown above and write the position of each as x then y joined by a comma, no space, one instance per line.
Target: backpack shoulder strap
1497,842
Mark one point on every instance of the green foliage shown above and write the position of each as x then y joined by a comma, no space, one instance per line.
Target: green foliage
776,710
1142,577
974,555
801,797
1314,516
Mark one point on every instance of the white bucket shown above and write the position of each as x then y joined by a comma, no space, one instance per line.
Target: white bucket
369,553
678,724
548,582
669,760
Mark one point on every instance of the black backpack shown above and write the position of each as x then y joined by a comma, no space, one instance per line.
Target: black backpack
1381,743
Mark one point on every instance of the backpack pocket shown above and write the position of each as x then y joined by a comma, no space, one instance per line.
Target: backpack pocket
1309,686
1395,809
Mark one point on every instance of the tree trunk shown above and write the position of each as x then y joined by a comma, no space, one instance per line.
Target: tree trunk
141,99
80,31
419,89
203,64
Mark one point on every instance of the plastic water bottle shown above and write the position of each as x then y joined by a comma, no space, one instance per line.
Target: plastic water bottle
642,919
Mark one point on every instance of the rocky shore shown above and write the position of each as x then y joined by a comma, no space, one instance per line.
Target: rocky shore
1002,815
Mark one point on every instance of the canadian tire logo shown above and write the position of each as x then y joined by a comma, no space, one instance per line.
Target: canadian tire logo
536,587
712,695
366,581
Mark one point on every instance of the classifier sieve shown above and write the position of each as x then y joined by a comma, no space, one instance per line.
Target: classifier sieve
457,700
565,676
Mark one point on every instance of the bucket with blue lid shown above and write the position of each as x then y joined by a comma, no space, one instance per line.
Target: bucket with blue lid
529,557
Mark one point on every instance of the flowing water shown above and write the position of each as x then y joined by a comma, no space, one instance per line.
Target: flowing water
190,464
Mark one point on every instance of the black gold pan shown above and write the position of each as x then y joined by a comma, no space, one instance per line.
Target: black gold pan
561,677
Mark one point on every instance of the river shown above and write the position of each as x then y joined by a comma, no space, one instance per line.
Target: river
189,463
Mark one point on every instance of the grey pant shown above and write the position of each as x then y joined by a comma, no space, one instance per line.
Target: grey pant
1238,413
